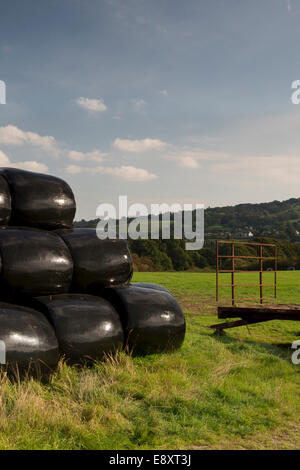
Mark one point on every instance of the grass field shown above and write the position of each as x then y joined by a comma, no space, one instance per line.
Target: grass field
238,391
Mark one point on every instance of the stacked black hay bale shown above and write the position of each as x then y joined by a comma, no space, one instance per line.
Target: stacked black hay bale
64,291
97,263
30,342
152,319
87,327
38,200
33,262
5,202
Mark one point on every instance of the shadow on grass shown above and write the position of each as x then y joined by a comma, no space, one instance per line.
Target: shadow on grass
280,350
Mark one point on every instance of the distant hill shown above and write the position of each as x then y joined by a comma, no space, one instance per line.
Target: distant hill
280,220
275,219
271,222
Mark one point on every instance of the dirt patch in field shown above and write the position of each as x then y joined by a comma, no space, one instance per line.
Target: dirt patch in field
197,306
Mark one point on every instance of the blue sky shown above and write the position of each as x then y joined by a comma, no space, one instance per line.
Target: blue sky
160,100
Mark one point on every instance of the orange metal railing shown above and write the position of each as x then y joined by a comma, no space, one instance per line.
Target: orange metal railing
233,271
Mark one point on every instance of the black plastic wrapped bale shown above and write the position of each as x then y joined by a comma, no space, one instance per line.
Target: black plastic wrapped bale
152,320
149,285
86,327
39,200
33,262
28,344
97,263
5,202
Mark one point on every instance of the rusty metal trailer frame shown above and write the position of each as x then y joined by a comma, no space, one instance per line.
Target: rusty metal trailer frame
233,271
249,315
255,314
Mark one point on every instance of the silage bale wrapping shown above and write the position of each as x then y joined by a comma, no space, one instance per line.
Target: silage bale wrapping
97,263
153,321
5,202
33,262
150,285
54,274
39,200
28,341
86,327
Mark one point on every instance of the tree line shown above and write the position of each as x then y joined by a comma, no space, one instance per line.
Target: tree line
273,222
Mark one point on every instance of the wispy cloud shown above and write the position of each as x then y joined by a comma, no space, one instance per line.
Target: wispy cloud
4,159
139,104
188,162
128,173
76,169
95,155
190,157
136,146
117,117
30,165
163,92
91,104
277,168
12,135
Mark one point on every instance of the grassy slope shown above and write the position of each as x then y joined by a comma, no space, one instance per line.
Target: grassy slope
236,391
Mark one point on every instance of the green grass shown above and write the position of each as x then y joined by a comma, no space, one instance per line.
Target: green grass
235,391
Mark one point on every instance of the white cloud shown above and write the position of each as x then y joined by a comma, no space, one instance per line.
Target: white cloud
75,169
12,135
163,92
31,166
128,173
27,165
189,158
93,105
4,159
95,155
279,168
136,146
139,104
188,162
265,171
267,134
